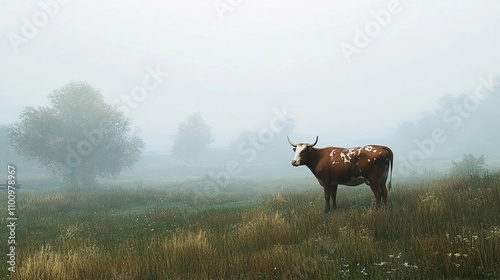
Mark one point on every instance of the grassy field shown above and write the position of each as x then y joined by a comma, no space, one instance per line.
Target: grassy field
447,228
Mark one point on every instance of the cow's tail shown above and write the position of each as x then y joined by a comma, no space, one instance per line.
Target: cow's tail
389,167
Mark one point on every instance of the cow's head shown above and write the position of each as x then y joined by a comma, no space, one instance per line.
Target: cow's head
301,151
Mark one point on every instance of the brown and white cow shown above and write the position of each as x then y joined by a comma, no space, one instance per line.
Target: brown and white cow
335,166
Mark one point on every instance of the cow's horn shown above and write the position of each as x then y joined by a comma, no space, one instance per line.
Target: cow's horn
314,144
294,145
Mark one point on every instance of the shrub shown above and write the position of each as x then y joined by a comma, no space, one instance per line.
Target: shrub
469,166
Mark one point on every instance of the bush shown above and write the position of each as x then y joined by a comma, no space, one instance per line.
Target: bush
469,166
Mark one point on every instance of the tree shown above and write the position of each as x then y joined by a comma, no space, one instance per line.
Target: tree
192,138
79,137
266,145
5,148
469,166
8,154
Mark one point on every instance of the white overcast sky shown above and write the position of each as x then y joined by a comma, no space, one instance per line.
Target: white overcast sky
235,66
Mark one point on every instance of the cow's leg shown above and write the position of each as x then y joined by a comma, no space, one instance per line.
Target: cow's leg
333,194
376,189
384,193
327,190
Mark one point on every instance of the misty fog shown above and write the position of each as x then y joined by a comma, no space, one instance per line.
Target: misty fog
418,76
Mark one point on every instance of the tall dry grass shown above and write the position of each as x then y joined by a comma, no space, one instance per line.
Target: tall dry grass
447,229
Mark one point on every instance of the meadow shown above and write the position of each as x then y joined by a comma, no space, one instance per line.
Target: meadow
446,228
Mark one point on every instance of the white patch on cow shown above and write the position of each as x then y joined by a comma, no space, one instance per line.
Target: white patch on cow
375,150
368,148
332,158
332,154
347,157
369,160
374,158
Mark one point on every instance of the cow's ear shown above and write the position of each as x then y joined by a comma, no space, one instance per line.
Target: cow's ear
294,149
309,149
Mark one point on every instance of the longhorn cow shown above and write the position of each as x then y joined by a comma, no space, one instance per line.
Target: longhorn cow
334,166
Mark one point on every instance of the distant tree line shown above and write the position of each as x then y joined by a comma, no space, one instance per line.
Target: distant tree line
266,145
460,124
